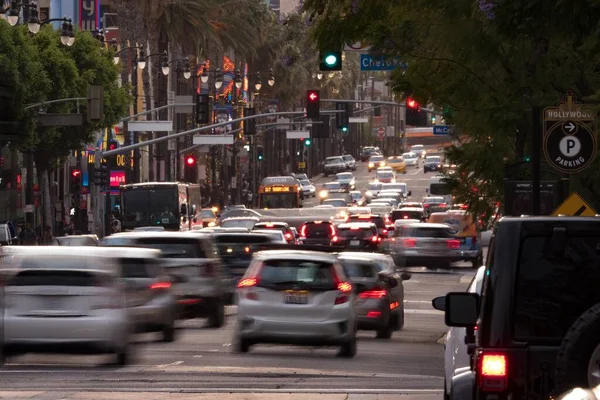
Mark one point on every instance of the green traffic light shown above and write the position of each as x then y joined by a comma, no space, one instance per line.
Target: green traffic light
527,158
307,142
331,60
260,157
345,129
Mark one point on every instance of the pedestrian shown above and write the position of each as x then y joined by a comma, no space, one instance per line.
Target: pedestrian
28,236
47,236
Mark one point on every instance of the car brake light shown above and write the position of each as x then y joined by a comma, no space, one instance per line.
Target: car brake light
247,282
425,205
344,287
492,372
354,228
374,239
334,239
385,231
443,205
453,244
374,314
160,286
247,249
303,231
409,242
373,294
270,225
288,236
332,230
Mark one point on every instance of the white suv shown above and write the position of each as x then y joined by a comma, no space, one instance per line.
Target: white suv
296,297
333,165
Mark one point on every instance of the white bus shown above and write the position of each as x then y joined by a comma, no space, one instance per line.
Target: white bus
439,188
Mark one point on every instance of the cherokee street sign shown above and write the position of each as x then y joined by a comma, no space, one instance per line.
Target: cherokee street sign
570,137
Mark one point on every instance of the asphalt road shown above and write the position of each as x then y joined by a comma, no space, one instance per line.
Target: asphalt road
409,366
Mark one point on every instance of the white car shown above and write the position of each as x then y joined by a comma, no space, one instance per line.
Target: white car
350,162
456,357
333,165
411,159
308,189
296,297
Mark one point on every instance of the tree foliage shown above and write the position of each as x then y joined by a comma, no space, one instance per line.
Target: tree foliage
489,61
41,69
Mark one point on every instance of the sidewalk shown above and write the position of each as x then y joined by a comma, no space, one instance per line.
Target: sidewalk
55,395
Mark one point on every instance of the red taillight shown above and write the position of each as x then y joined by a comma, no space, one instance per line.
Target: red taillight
354,228
344,287
384,231
492,372
409,242
247,282
303,231
373,294
443,205
453,244
160,286
374,314
247,249
374,239
288,236
332,230
270,225
387,221
425,205
335,239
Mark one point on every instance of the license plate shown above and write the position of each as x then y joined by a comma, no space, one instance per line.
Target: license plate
295,297
355,243
52,303
165,220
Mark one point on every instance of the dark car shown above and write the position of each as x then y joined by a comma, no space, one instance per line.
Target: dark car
380,301
367,152
534,330
379,221
321,233
434,204
432,163
359,236
76,240
280,226
408,213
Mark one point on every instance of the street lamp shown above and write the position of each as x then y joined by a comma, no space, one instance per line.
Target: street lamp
12,15
218,79
258,83
187,72
13,12
238,79
271,78
141,59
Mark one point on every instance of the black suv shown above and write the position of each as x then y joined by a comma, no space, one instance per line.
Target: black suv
532,333
319,233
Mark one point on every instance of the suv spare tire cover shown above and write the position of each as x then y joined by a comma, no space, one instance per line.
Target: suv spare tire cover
576,350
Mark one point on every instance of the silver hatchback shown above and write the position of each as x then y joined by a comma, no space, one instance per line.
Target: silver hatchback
296,297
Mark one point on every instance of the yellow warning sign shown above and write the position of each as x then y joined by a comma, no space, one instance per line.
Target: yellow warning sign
575,205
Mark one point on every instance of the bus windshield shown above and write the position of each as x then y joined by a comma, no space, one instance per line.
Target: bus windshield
144,207
279,200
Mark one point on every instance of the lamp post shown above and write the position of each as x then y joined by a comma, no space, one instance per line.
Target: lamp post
31,15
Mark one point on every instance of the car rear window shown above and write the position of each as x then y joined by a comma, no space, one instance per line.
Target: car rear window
403,214
356,232
304,273
438,233
336,202
241,239
378,221
56,278
238,223
322,229
136,268
554,285
356,269
170,247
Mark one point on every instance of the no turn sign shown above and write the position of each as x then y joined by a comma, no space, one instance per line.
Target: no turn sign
570,135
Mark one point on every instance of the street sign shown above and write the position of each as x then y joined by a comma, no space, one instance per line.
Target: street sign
380,133
379,63
570,136
359,120
301,164
297,134
574,205
442,129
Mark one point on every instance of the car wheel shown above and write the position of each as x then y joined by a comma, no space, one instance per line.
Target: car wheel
478,262
241,345
387,330
123,357
400,319
348,349
578,352
446,395
216,319
168,332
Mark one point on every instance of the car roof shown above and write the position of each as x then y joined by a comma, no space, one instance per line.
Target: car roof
82,251
410,209
274,223
240,218
428,225
357,224
165,234
295,255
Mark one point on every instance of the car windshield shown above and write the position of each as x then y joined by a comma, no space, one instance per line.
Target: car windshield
344,176
376,158
384,174
409,155
405,214
209,214
428,232
332,186
305,182
358,232
395,160
553,284
433,200
356,269
374,186
347,158
440,189
333,160
433,160
336,202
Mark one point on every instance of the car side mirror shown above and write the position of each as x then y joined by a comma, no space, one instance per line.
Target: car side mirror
405,276
461,309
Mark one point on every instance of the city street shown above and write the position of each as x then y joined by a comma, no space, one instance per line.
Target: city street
201,360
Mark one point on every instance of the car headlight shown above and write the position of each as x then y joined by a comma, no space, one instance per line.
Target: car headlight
369,194
212,223
382,164
371,165
323,194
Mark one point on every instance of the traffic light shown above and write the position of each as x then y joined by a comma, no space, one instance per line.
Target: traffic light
259,153
330,60
307,142
412,104
113,145
377,112
76,180
321,130
104,175
249,124
313,104
526,158
342,119
202,109
414,115
190,169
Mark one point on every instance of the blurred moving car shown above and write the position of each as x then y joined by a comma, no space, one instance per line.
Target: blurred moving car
283,227
199,281
366,153
372,190
397,163
380,301
411,159
350,162
333,165
63,300
276,236
385,176
308,189
432,164
358,236
419,150
320,233
296,297
239,222
376,162
433,204
208,217
379,221
431,245
77,240
328,188
346,180
148,229
408,213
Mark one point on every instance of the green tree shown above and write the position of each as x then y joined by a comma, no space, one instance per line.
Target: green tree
56,72
490,62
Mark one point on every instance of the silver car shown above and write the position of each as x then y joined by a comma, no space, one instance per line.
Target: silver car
425,244
64,300
350,162
411,159
296,297
333,165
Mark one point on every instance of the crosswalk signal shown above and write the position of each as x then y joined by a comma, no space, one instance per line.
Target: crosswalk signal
330,61
75,180
259,153
313,104
202,109
249,124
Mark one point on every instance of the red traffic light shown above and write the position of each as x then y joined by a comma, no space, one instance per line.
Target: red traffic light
190,160
112,146
411,103
76,172
313,95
